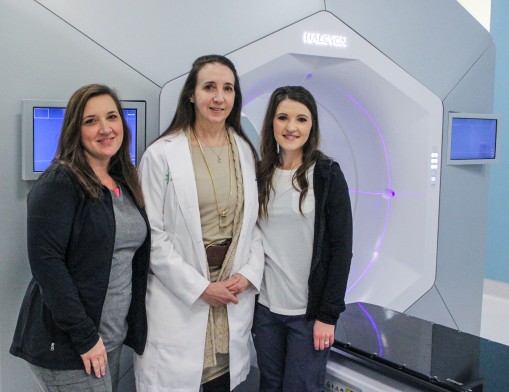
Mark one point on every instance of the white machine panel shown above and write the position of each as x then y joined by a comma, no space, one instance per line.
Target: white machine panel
380,124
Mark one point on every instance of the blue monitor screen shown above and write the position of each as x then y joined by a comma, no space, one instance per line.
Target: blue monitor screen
473,138
48,125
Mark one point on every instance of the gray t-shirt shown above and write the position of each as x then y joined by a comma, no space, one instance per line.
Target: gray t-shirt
288,244
130,233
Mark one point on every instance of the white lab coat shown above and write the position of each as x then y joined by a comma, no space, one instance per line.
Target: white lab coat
177,316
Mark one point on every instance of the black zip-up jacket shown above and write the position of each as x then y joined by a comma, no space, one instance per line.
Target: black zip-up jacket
332,244
70,246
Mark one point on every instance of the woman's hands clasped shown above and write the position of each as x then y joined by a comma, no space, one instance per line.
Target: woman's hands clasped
237,284
221,293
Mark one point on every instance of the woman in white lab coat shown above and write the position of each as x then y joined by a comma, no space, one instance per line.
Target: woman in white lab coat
206,263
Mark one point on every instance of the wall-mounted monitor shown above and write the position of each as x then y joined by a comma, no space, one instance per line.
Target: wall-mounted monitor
472,138
41,124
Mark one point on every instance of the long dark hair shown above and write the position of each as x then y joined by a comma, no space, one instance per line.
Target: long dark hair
269,150
70,151
185,115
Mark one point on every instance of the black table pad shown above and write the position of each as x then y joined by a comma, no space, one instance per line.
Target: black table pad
440,355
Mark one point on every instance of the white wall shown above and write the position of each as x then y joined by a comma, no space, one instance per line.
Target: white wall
495,306
495,311
41,57
480,9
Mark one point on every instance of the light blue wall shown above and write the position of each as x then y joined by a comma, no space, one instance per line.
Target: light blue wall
497,256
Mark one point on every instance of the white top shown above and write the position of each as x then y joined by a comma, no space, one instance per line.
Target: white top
288,244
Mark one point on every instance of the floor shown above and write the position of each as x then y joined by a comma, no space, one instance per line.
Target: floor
495,311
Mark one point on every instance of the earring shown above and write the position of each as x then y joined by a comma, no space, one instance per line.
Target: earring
277,148
191,99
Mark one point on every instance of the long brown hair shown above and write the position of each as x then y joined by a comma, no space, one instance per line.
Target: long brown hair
70,151
270,158
185,115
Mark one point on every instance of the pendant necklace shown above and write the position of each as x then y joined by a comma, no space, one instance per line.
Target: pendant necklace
221,213
217,155
219,160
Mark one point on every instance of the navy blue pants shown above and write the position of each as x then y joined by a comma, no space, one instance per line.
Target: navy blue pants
287,359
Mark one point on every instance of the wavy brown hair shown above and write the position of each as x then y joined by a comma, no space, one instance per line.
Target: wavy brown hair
185,115
70,152
269,154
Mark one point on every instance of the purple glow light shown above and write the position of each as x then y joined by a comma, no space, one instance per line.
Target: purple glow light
365,192
388,194
376,252
381,239
370,118
411,195
381,193
375,327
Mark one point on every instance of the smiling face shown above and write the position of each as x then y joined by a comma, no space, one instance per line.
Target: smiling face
214,95
102,130
292,125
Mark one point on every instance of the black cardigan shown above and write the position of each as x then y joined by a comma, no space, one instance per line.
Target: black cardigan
332,244
70,246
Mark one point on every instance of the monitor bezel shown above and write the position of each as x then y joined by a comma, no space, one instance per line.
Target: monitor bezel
476,161
27,130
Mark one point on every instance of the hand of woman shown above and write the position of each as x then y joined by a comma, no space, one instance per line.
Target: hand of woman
217,294
237,284
323,335
96,359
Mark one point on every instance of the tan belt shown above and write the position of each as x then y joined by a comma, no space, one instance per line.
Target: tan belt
217,252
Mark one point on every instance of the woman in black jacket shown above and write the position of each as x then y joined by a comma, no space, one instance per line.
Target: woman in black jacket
88,246
306,224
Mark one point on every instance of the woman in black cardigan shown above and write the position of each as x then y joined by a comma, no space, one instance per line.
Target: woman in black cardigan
88,248
306,224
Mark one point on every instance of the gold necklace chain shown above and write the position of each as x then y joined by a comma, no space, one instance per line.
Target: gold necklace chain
219,160
221,214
